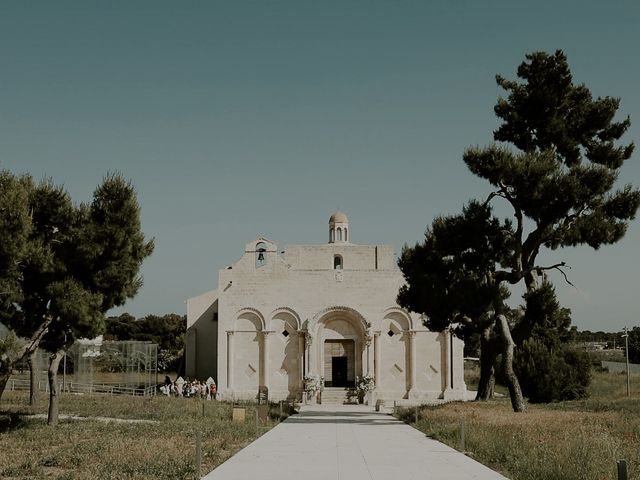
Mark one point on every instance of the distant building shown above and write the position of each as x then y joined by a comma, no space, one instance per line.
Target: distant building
317,310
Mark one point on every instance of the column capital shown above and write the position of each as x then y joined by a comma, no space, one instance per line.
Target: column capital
412,333
230,333
377,333
308,337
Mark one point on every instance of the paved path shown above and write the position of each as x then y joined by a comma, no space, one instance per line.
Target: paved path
348,442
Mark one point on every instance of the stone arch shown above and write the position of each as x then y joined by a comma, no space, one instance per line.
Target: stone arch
294,318
401,315
285,353
326,313
248,316
246,362
341,352
396,331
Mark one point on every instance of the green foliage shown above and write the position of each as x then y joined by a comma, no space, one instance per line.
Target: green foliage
634,345
10,346
549,111
549,369
544,318
167,331
548,375
15,228
563,178
449,275
68,264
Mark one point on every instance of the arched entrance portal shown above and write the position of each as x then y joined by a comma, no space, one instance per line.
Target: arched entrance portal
343,347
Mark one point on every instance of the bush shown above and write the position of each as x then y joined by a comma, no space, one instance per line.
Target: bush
551,375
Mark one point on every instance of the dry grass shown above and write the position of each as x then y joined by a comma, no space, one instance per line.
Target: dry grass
564,440
97,450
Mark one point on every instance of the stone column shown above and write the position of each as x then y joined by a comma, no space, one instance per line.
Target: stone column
307,352
412,360
376,360
447,394
265,358
369,354
301,356
447,356
230,360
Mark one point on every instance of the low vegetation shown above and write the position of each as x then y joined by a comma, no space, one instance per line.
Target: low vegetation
569,440
162,448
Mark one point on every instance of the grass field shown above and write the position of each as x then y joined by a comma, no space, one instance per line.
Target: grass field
88,449
564,440
577,440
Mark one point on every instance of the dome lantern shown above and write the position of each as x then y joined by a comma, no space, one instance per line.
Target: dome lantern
338,228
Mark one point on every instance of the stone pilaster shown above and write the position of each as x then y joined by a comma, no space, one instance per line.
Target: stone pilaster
230,360
376,358
413,387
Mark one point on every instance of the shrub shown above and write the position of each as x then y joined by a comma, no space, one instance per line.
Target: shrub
548,375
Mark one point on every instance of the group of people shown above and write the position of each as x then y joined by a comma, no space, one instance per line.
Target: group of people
187,388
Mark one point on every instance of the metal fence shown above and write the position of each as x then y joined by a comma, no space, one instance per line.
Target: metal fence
620,367
87,388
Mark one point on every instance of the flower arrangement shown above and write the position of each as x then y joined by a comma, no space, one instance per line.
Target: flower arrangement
365,384
313,383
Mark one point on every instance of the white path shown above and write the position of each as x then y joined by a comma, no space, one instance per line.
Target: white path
348,442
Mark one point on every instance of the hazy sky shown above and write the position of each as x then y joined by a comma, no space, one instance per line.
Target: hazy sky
238,119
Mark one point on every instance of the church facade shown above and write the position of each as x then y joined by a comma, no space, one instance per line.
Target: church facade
322,311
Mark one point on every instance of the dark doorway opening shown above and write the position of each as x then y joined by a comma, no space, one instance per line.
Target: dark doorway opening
339,371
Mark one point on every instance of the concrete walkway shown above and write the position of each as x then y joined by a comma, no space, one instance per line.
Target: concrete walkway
348,442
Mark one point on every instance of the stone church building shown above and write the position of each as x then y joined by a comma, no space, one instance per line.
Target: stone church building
325,311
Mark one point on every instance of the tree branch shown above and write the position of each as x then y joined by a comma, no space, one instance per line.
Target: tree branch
491,196
517,212
558,266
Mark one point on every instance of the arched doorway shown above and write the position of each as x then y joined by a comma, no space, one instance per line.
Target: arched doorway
342,351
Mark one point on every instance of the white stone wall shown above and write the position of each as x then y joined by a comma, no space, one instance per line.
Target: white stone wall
201,349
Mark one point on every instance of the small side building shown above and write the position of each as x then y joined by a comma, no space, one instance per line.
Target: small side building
317,310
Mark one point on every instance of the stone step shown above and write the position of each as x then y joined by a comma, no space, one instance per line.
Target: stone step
338,395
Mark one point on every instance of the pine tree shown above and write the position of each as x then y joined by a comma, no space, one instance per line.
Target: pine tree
558,172
76,262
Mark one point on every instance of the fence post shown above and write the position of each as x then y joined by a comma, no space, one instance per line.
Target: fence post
416,413
462,447
622,470
395,405
198,454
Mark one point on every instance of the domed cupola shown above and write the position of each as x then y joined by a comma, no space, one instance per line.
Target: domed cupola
338,228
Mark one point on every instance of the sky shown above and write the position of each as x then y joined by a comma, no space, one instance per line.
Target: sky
246,118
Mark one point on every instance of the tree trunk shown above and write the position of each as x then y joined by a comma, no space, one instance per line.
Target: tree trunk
488,354
8,363
517,400
34,371
4,378
54,363
532,281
